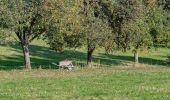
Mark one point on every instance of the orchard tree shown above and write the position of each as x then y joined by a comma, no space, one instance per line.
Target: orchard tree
27,19
127,19
81,24
133,31
140,38
120,14
94,26
149,27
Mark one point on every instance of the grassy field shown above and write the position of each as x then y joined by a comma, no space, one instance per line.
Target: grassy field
11,56
116,78
145,83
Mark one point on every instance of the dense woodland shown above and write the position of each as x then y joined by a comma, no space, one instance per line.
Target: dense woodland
110,24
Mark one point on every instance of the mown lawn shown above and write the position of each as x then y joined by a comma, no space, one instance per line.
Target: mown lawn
121,83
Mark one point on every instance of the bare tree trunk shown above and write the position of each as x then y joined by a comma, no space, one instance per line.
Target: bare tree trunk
136,57
26,54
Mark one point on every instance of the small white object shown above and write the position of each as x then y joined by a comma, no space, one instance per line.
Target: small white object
66,64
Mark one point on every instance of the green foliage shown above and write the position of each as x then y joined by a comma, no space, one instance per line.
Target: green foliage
127,20
27,19
65,27
3,36
78,23
159,22
140,39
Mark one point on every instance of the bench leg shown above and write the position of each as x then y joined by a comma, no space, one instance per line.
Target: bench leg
70,68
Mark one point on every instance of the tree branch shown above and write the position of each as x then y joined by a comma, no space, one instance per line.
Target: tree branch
18,35
36,35
32,23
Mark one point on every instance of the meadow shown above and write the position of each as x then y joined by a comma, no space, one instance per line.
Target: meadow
116,78
86,84
42,56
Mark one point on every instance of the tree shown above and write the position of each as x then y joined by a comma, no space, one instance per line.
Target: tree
134,28
27,19
81,24
140,38
127,19
94,26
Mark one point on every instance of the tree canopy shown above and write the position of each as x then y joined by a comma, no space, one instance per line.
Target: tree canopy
110,24
26,19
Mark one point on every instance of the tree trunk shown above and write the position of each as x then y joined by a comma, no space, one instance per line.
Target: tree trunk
89,58
136,57
27,61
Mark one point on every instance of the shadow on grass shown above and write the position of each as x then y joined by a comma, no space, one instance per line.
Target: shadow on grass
143,60
44,57
40,56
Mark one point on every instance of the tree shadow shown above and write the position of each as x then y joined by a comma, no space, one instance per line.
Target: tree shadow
143,60
43,57
40,57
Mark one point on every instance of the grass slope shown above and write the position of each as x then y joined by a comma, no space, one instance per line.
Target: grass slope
87,84
11,56
117,81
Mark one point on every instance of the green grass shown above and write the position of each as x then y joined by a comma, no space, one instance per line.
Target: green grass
11,56
114,79
87,84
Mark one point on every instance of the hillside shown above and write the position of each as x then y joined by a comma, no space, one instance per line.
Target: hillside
41,55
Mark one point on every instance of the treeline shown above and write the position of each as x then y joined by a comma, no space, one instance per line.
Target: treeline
110,24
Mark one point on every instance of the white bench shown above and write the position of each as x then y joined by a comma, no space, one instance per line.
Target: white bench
65,64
